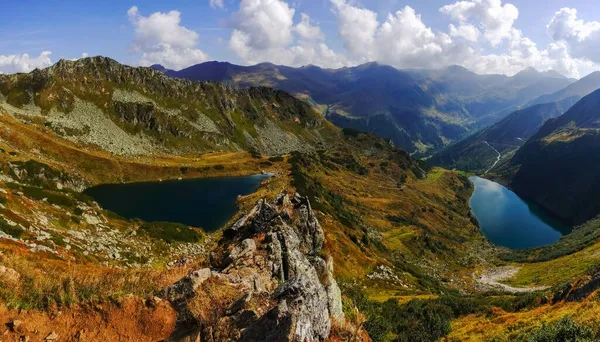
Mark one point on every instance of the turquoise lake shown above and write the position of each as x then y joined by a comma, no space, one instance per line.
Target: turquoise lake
509,221
206,203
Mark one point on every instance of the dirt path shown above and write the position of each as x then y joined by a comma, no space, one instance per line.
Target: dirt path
497,158
490,279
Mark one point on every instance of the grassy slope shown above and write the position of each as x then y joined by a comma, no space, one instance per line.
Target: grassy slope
34,142
385,213
514,326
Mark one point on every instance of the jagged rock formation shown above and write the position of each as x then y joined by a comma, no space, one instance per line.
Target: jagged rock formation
283,287
133,111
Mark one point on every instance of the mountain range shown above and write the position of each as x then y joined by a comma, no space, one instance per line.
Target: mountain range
479,151
421,111
580,88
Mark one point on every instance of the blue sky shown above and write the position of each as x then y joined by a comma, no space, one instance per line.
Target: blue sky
487,36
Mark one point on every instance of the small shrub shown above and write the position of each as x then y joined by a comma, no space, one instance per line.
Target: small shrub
563,330
170,232
351,132
219,167
276,159
52,198
255,153
14,231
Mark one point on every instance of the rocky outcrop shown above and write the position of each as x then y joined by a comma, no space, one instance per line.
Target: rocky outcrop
578,290
147,116
272,260
41,175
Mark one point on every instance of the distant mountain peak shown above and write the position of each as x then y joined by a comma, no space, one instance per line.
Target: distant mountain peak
216,63
456,67
533,72
158,67
528,72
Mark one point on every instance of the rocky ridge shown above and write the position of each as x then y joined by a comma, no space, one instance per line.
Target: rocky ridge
137,111
283,285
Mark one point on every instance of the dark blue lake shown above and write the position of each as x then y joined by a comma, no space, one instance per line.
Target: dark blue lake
507,220
206,203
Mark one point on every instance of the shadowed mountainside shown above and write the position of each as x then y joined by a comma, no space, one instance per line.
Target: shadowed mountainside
477,153
558,167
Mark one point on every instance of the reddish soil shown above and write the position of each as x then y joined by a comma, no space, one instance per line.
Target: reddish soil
130,320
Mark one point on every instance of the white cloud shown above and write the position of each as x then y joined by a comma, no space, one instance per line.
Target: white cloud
274,31
264,24
466,31
495,19
217,3
264,31
404,41
24,63
307,31
582,38
160,38
357,27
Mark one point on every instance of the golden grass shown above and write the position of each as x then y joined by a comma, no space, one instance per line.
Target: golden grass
565,136
430,202
384,295
553,272
44,280
33,142
503,326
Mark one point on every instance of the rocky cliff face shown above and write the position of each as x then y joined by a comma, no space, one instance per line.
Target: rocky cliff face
268,281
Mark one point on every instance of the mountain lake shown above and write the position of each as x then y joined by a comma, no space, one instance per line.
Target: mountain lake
509,221
206,203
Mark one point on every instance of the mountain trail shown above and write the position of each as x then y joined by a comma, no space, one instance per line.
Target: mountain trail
490,279
497,158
